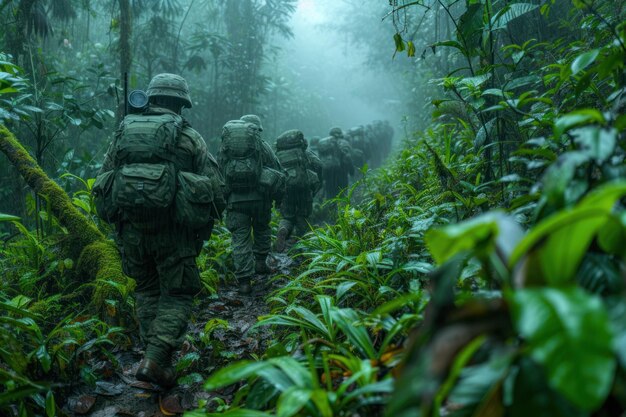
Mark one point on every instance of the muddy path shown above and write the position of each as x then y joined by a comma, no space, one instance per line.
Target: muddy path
221,331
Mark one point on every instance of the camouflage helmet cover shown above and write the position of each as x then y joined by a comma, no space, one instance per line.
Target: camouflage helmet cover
336,131
254,119
169,85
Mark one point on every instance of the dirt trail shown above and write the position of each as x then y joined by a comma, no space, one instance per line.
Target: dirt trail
228,317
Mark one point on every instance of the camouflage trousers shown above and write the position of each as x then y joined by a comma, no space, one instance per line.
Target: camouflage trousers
295,211
249,225
163,264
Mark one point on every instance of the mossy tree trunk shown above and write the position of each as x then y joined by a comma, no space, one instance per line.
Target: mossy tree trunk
98,257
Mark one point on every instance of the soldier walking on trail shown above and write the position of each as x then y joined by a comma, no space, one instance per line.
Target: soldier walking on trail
162,190
253,179
303,169
335,153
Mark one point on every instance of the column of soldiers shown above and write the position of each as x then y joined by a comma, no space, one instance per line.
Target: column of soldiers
162,191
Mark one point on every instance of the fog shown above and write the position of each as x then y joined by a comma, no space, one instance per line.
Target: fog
324,62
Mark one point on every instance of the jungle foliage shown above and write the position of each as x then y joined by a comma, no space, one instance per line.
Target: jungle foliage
479,273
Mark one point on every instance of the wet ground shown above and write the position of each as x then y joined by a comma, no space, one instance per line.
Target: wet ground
221,331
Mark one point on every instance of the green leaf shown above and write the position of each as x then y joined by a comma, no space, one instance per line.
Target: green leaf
479,232
292,400
508,13
397,39
598,143
563,238
568,333
50,404
234,373
410,49
8,218
236,412
582,61
346,320
575,119
44,358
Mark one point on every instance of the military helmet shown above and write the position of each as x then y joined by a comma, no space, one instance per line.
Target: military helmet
254,119
169,85
336,131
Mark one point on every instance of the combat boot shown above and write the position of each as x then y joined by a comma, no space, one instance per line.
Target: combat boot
261,267
150,371
281,239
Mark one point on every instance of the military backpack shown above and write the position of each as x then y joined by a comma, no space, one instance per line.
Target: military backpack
146,186
291,152
241,151
330,154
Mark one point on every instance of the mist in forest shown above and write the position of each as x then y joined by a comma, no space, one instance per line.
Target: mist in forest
324,61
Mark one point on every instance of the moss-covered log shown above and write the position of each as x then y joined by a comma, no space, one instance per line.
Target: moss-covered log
98,259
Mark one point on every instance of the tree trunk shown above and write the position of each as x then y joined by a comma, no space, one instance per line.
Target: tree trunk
124,48
98,257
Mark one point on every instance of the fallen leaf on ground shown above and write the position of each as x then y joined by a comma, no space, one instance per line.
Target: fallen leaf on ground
107,412
82,404
108,389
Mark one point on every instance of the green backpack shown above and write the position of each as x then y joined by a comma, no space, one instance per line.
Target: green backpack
329,153
291,152
241,151
145,157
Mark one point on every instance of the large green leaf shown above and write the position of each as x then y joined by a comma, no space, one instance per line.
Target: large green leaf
561,240
346,320
234,373
510,12
597,143
292,400
568,333
577,118
477,233
583,60
8,218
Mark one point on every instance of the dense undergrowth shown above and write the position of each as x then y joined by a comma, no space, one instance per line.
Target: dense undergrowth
479,273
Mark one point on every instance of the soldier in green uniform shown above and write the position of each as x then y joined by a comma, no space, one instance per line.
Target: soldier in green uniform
158,251
248,211
335,153
303,170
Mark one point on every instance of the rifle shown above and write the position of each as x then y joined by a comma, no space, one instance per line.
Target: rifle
134,102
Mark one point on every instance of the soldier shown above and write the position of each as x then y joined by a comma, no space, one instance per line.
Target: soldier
303,170
152,154
335,154
361,152
249,205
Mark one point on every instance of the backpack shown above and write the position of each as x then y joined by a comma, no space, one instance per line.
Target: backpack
290,150
329,153
145,177
147,186
241,152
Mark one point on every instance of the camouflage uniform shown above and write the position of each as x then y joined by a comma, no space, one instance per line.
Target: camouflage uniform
161,256
361,149
248,216
336,178
297,206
